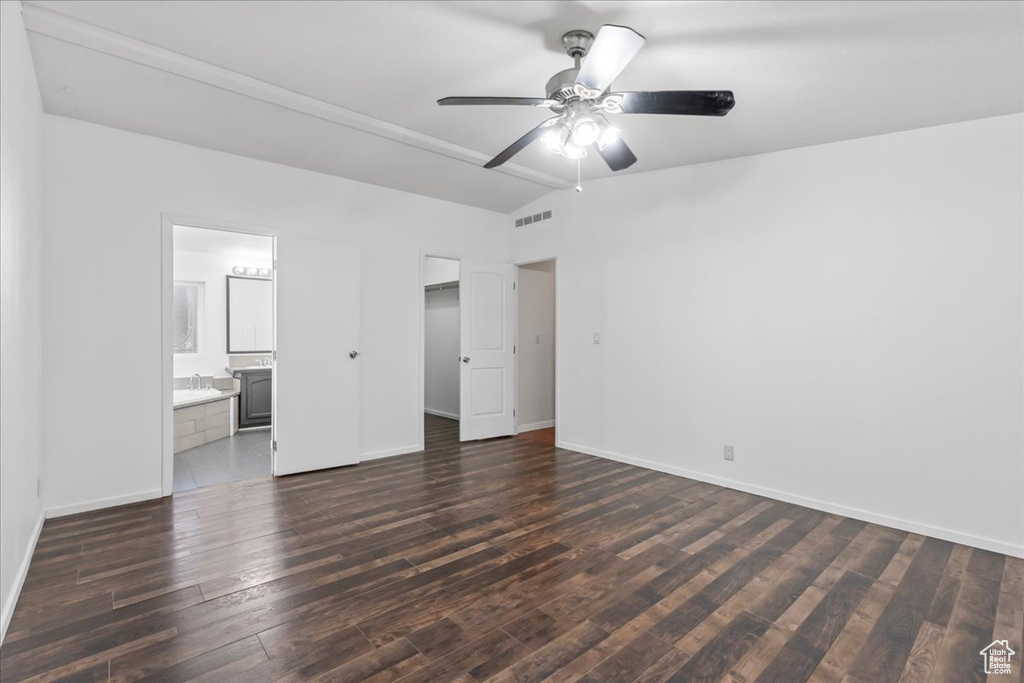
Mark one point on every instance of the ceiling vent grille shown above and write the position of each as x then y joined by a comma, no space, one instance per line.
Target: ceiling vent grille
534,218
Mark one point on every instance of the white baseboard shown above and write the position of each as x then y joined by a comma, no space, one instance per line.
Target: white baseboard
91,505
534,426
441,413
19,580
389,452
864,515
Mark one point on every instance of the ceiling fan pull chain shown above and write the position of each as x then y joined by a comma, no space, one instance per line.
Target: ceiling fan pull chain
579,183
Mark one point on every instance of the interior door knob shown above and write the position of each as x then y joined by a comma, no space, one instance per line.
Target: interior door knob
465,359
353,354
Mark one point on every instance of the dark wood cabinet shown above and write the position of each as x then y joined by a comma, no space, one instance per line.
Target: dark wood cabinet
255,404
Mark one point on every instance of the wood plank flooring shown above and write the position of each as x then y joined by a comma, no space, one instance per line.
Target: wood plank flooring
503,560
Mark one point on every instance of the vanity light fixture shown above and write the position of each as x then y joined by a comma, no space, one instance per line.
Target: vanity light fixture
251,271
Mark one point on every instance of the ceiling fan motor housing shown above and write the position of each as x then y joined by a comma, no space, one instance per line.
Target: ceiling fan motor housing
561,84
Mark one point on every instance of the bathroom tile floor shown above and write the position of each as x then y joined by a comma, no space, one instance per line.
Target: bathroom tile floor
246,455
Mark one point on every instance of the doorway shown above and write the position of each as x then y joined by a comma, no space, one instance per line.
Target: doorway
222,334
469,337
315,285
441,346
536,356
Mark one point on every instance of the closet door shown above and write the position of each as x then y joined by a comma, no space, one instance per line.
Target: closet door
487,382
316,373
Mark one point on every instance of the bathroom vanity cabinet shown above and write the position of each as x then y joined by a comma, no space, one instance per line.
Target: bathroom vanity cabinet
254,405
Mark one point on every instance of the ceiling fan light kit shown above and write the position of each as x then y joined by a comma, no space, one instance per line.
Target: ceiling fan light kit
580,98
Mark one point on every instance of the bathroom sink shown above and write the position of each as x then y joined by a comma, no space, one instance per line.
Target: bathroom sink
183,395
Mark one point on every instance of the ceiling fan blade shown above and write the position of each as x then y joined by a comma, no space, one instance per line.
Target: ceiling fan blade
521,101
613,48
520,144
688,102
618,155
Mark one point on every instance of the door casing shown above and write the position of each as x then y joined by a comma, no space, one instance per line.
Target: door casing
558,343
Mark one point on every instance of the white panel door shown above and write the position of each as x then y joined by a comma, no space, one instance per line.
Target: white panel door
316,383
487,382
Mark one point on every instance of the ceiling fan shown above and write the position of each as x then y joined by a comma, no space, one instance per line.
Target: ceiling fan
580,98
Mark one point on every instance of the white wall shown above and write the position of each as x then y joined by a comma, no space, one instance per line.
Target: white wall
441,352
106,190
537,345
849,317
212,270
20,319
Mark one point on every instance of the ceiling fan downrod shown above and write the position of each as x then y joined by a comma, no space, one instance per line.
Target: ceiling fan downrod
577,43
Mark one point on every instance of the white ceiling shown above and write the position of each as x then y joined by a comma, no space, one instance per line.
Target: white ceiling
349,88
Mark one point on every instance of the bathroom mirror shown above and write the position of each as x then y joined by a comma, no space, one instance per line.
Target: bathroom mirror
250,314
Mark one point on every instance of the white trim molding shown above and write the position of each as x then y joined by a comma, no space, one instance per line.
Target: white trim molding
19,579
102,503
534,426
67,29
854,513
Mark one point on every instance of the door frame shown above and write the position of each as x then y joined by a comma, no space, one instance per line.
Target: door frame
167,223
424,254
558,343
458,256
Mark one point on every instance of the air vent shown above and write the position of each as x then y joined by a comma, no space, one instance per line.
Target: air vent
534,218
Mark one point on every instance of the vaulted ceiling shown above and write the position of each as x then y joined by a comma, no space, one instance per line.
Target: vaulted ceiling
349,88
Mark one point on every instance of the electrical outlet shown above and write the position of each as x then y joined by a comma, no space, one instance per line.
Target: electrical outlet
536,339
597,337
728,453
39,487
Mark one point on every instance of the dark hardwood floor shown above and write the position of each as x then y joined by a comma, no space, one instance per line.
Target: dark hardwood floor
505,560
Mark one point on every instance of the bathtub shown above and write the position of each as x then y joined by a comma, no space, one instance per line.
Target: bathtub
205,415
185,396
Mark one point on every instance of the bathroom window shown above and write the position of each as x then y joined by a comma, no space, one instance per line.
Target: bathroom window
187,312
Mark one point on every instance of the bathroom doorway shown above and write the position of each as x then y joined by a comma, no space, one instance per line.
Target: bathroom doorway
441,351
222,328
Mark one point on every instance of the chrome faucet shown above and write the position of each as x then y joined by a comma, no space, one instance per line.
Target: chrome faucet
196,382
